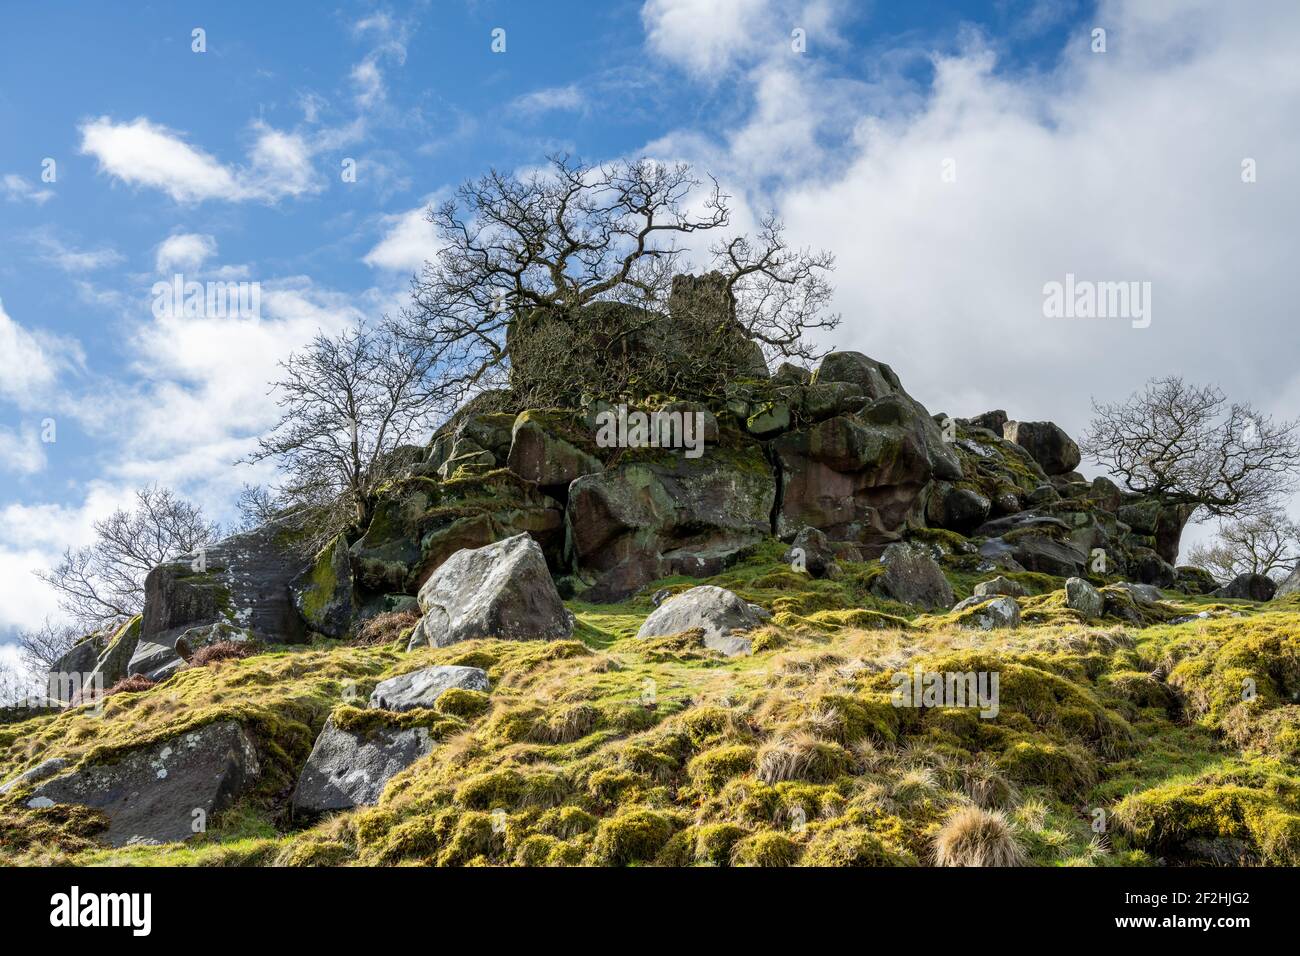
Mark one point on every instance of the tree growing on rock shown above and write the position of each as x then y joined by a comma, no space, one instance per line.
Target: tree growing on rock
1267,544
573,280
349,403
1188,446
102,584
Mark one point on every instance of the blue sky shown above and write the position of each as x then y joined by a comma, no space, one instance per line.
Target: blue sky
226,164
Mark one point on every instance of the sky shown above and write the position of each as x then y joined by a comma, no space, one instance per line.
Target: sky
956,157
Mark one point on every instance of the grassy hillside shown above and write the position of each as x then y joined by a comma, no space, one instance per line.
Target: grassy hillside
1177,741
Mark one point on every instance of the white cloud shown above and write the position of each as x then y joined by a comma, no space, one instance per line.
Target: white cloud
18,189
21,451
76,260
184,251
553,98
32,361
146,154
409,240
706,37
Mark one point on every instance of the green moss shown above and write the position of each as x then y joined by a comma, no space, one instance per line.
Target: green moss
632,836
853,846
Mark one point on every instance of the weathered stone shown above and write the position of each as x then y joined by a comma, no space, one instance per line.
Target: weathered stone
1289,586
74,670
1142,593
349,769
503,590
423,687
913,577
1192,580
993,421
1047,442
1000,585
42,771
323,593
112,664
243,580
957,509
811,552
151,794
1036,552
421,523
1149,568
662,513
1248,587
552,448
720,614
1084,598
990,614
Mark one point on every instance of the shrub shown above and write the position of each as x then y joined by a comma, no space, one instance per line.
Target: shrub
632,836
974,836
768,848
802,756
220,651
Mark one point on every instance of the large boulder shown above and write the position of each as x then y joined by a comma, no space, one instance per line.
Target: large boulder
811,552
1288,587
349,768
503,590
913,577
988,613
1083,597
657,512
956,509
1054,450
73,673
42,771
1248,587
323,593
999,585
243,581
721,615
422,688
164,792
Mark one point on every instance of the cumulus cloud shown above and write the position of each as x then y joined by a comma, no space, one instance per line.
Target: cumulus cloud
143,153
21,451
409,240
708,37
184,251
32,361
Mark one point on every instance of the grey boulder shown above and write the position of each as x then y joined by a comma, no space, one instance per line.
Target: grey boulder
1000,585
1248,587
421,688
503,590
349,769
1048,444
1000,611
161,793
1084,598
913,577
721,615
1290,586
42,771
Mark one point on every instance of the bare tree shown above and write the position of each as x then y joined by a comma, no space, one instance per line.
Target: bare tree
538,264
1260,544
1189,446
41,647
102,584
348,403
